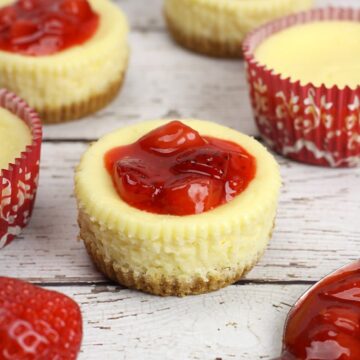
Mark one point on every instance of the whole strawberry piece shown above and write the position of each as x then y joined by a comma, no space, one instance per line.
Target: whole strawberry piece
37,324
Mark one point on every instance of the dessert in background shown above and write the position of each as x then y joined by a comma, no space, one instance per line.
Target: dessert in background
176,208
304,79
218,27
66,58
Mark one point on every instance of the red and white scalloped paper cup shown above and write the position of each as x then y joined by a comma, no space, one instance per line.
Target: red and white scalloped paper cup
18,183
307,123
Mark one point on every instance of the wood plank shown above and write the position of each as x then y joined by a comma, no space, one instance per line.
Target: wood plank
317,226
239,322
141,16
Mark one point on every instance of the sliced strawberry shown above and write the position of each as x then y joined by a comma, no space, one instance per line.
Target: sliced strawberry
178,172
134,182
47,44
78,8
37,324
207,161
44,27
28,4
23,30
242,163
7,16
55,25
189,195
171,139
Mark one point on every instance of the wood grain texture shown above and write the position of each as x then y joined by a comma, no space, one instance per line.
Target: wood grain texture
316,229
239,322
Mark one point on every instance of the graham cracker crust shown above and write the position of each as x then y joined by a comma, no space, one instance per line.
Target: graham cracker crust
81,109
162,285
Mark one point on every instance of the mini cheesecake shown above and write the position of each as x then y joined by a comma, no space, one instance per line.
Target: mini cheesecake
176,208
218,27
304,80
67,58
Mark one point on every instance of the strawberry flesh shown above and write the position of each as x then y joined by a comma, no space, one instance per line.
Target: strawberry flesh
171,139
191,194
37,324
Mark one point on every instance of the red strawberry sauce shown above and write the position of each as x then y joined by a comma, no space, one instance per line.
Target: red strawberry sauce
45,27
174,170
325,325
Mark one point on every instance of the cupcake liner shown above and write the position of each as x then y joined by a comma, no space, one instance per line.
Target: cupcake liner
18,183
312,124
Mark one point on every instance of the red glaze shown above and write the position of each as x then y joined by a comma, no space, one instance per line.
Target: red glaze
173,170
45,27
325,324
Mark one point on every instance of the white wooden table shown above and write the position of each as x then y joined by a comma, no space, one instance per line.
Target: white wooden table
317,228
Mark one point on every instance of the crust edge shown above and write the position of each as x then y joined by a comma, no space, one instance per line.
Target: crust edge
164,285
82,108
203,45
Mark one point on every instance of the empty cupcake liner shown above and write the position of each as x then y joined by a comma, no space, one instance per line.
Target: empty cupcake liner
18,183
307,123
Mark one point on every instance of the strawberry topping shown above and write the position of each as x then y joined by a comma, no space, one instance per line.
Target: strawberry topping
326,323
174,170
43,27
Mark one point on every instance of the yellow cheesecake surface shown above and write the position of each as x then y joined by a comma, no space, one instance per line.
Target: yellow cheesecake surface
14,137
73,75
326,52
228,237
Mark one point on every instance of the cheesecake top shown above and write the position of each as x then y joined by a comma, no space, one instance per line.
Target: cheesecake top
321,52
14,137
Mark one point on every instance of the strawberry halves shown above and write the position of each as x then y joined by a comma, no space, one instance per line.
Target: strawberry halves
37,324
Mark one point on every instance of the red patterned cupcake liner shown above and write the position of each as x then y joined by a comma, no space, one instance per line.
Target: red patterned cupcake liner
18,183
311,124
